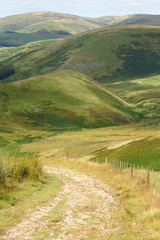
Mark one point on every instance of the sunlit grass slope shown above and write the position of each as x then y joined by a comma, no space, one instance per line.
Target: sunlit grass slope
35,21
62,100
85,143
144,152
106,55
7,52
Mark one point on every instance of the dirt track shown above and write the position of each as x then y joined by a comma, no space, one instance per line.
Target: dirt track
82,210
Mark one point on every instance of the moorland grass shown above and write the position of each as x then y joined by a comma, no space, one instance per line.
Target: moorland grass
134,143
14,170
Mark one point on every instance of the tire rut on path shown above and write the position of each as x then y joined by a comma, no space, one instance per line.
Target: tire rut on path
85,207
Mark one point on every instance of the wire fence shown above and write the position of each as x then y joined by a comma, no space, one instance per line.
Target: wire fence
146,176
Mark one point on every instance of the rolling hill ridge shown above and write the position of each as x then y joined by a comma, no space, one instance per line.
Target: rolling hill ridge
106,55
29,27
62,100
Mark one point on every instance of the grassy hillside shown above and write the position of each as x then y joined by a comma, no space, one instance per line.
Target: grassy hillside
106,55
144,153
20,29
143,93
112,20
7,52
52,20
142,19
64,100
23,28
85,143
35,21
68,25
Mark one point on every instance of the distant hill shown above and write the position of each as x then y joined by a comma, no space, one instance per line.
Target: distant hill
62,100
142,19
106,55
50,21
135,19
20,29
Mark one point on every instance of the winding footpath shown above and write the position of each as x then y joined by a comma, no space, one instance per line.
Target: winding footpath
82,210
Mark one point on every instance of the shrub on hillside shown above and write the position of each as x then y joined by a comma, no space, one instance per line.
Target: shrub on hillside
17,169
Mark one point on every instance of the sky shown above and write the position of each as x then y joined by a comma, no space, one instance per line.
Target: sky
87,8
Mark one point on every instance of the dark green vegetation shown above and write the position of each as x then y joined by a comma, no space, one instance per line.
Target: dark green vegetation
106,55
13,39
144,153
64,100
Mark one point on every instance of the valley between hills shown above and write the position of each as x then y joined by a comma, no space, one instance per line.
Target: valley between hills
75,94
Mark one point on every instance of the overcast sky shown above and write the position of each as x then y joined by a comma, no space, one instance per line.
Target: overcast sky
88,8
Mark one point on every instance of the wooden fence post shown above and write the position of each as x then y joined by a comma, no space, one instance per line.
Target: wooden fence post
148,176
142,173
131,170
121,166
138,171
159,184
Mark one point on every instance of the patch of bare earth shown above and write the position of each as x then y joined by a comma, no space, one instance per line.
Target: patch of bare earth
119,144
84,207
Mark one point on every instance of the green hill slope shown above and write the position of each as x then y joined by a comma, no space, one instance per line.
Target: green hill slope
11,39
143,93
142,19
24,28
34,21
7,52
134,19
62,100
20,29
106,55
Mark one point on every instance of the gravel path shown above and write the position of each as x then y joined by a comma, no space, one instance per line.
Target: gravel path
82,210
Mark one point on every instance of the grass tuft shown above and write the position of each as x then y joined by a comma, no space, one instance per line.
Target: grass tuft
17,169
